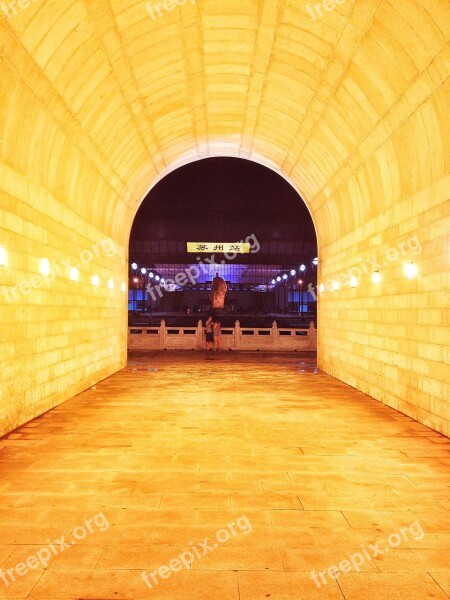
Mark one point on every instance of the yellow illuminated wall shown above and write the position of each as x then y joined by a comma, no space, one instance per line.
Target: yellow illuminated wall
99,99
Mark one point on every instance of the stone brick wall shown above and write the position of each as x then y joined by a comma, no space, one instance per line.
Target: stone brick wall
57,336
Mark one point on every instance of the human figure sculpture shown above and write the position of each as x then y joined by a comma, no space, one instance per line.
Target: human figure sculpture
218,292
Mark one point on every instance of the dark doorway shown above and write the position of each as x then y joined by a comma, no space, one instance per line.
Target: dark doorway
224,200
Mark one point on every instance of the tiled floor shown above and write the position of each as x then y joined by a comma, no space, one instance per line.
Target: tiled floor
252,469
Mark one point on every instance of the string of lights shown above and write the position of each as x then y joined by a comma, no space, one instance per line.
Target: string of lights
288,275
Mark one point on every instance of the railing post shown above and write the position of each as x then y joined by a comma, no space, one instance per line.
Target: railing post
274,335
237,334
199,335
312,336
162,334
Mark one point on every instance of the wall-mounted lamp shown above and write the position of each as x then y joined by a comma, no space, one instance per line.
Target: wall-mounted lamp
376,277
123,287
302,268
111,284
134,266
335,286
44,267
74,274
353,281
315,261
95,280
410,270
3,256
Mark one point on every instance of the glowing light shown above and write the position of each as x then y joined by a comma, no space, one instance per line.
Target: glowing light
278,278
151,274
353,281
157,277
376,277
143,270
321,288
292,272
300,282
123,287
3,256
285,276
134,266
302,268
410,270
44,267
273,282
95,280
111,284
135,279
315,261
335,286
74,274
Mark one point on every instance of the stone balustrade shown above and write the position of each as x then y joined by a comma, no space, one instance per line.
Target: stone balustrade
273,339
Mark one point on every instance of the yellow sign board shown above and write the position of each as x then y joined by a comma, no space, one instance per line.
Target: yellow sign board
223,248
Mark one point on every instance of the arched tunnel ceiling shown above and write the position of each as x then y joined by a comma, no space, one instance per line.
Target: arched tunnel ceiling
99,100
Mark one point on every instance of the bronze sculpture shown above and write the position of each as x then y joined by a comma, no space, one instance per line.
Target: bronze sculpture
218,292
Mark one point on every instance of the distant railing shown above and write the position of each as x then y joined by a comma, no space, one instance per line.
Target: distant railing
272,339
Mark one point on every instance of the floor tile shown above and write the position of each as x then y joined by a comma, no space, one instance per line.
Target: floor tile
264,472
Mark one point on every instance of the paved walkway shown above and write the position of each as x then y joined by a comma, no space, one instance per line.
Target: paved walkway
251,469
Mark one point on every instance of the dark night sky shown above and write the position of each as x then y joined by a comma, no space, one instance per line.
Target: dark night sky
227,198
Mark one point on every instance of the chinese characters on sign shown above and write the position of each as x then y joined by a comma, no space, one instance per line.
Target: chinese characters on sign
228,248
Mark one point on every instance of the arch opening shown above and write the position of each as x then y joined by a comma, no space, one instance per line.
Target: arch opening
227,200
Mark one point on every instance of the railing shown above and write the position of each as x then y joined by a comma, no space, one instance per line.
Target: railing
231,338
